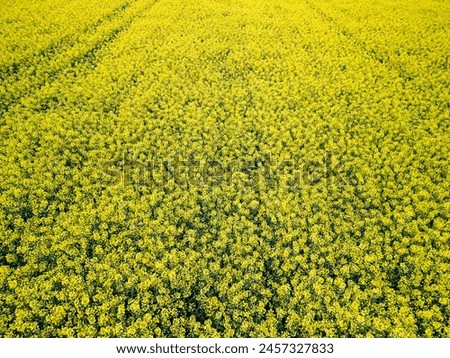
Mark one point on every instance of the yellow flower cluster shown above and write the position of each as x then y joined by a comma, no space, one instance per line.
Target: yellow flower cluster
226,168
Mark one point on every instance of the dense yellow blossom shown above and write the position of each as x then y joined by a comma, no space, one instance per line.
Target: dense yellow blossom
226,168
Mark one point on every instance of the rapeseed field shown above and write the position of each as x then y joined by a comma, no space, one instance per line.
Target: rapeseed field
224,168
